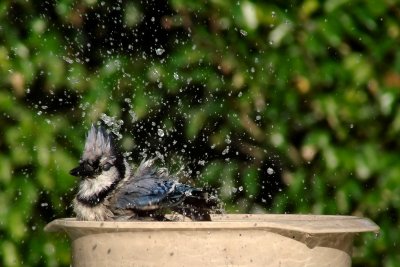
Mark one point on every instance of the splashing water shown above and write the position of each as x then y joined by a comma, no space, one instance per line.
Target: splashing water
132,113
160,132
159,51
113,123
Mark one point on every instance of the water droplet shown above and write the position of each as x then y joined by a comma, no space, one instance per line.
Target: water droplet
377,234
133,116
68,60
159,155
270,171
159,51
160,132
126,154
243,32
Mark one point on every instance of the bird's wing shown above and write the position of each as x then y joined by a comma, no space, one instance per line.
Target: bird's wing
150,189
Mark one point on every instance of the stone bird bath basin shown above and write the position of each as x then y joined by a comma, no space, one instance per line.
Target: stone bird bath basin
228,240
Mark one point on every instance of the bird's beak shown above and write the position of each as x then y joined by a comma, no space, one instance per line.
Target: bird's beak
78,171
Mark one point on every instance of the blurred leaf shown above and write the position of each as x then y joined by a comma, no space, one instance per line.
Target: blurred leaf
250,176
196,120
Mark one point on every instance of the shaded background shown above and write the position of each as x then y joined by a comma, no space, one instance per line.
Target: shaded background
283,106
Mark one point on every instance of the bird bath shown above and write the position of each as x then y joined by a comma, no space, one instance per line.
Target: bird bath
228,240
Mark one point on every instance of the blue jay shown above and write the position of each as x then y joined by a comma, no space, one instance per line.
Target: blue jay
110,190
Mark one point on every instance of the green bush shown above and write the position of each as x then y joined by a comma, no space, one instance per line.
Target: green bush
281,106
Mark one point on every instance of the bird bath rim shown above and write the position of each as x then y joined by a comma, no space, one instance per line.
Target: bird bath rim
310,224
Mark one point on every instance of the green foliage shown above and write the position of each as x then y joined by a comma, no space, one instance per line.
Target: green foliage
282,106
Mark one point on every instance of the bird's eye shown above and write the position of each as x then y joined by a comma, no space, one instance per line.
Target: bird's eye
107,166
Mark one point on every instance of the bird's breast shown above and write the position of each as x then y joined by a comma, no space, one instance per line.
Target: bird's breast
100,212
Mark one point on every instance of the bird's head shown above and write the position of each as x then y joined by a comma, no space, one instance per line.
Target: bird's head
100,157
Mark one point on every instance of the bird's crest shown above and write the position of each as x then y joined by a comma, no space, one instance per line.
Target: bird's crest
98,144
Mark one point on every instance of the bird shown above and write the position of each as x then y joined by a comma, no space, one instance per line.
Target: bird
110,189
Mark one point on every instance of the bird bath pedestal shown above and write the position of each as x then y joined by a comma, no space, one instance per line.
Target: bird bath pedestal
228,240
